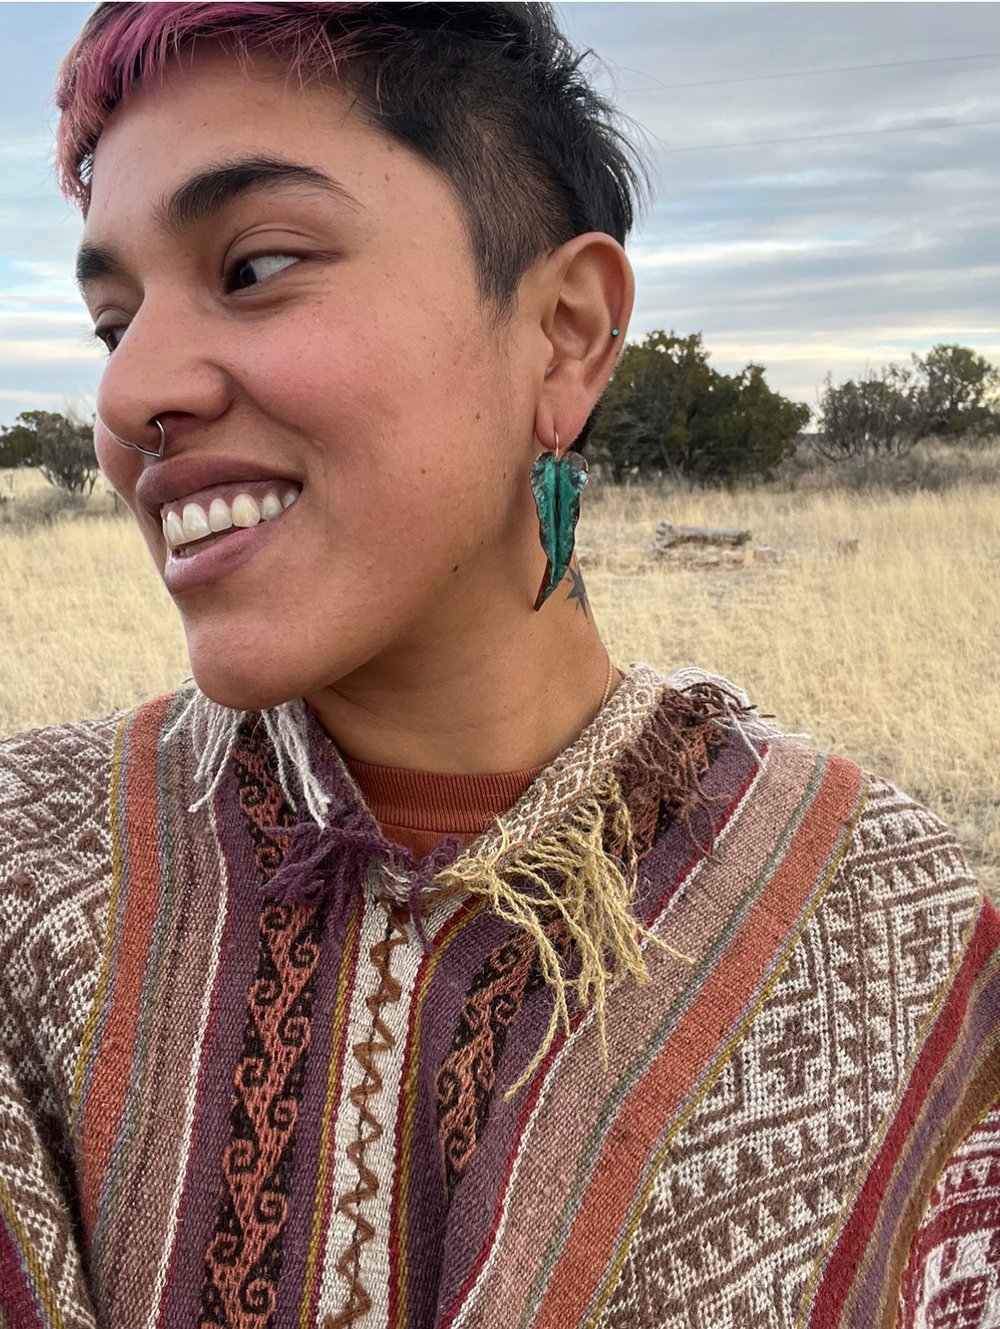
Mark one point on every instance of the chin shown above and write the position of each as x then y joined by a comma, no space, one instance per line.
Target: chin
243,680
254,676
240,692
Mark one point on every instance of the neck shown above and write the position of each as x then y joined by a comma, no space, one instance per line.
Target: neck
503,691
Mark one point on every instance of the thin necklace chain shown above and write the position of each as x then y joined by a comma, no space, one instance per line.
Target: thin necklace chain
607,685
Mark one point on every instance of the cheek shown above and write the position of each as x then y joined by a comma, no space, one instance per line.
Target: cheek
121,466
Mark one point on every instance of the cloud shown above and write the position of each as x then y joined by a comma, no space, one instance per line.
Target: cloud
16,321
731,252
25,399
43,352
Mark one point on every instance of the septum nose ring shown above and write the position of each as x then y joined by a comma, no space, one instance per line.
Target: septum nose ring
149,452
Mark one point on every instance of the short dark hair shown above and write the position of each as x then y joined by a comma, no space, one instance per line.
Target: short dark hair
492,94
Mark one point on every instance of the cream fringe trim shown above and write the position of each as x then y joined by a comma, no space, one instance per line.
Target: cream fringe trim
593,900
213,729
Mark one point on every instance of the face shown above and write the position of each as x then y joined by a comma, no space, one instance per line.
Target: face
344,426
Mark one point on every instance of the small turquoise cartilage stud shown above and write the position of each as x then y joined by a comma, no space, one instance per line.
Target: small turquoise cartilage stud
614,332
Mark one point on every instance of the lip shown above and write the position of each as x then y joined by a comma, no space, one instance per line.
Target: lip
165,481
221,559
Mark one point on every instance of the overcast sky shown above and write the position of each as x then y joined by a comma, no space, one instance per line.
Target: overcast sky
826,185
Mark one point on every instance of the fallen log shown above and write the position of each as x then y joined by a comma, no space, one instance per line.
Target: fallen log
669,536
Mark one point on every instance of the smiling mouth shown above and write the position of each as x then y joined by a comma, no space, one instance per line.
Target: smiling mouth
192,525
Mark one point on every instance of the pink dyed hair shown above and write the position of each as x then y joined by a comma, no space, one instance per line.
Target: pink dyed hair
123,45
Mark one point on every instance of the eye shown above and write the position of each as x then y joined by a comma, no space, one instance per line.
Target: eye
109,337
252,271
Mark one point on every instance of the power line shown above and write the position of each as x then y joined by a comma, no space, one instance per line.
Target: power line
813,138
713,147
720,82
724,82
833,69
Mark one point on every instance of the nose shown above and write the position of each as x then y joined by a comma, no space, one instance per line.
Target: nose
164,379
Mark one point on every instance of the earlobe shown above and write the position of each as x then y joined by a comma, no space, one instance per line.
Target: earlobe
591,301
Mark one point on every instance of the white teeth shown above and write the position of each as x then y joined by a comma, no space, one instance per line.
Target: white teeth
174,530
245,511
270,506
219,516
195,522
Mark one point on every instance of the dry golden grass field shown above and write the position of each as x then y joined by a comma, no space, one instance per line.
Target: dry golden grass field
890,654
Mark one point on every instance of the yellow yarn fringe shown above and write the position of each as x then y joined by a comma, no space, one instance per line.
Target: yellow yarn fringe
592,896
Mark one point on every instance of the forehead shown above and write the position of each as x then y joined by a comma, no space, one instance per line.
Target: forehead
206,91
208,110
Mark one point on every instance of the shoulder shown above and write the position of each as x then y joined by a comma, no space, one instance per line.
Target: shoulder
893,844
52,743
898,865
54,785
892,897
55,873
898,929
901,849
897,870
63,789
57,786
824,814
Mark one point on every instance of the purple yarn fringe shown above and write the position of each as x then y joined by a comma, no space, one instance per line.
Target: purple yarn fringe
333,860
325,859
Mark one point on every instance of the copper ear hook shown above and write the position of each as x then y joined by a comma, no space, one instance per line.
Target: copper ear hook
149,452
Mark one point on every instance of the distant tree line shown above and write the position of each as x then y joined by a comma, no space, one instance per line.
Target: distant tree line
951,393
60,446
666,411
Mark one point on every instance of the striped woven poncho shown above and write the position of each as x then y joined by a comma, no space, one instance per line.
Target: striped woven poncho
264,1073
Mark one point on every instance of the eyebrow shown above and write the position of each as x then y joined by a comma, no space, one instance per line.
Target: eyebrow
206,194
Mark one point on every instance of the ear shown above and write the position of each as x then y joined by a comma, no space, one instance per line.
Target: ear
587,290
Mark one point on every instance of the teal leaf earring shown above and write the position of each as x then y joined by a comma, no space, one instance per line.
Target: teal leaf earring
557,483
